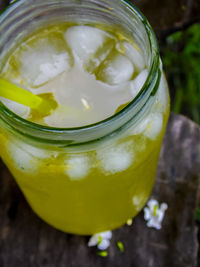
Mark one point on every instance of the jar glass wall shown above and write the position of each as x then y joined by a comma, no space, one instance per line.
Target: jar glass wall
92,178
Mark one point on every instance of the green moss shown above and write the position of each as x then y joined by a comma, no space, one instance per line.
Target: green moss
181,58
120,246
102,253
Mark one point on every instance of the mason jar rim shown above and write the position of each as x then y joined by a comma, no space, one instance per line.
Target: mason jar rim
25,127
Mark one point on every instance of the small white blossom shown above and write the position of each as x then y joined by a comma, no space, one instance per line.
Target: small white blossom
154,213
101,240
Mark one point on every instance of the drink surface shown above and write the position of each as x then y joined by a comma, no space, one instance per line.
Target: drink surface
91,73
88,71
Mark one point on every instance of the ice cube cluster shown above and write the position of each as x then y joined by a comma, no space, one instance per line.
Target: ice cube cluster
111,160
86,68
90,73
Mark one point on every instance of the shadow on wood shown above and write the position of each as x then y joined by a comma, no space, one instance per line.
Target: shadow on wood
25,240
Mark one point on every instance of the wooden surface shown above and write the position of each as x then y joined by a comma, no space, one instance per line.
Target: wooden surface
167,16
27,241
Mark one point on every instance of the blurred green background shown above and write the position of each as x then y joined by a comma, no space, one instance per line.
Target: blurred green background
181,58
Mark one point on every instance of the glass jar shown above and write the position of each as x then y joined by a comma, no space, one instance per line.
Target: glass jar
93,178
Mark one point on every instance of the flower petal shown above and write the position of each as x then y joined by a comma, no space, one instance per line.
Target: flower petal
152,203
93,240
105,243
106,234
147,214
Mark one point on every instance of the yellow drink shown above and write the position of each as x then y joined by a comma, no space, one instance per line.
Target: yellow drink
102,180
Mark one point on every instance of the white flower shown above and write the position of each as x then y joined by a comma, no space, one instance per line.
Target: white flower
154,213
101,240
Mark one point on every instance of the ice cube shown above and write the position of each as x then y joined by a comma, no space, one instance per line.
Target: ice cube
137,84
116,70
84,41
77,167
23,160
17,108
162,96
44,60
38,153
138,201
115,159
51,69
154,126
28,157
134,55
100,55
150,126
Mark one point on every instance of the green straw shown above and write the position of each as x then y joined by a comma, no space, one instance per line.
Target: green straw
17,94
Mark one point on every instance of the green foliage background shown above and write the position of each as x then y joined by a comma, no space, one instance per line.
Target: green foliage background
181,58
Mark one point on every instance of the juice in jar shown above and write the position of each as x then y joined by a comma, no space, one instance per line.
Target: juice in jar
93,72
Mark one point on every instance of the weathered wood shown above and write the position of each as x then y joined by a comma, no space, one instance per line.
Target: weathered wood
25,240
167,16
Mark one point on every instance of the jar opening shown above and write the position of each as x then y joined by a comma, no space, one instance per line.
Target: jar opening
20,12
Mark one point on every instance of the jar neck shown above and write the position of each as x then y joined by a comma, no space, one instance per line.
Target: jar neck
23,16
